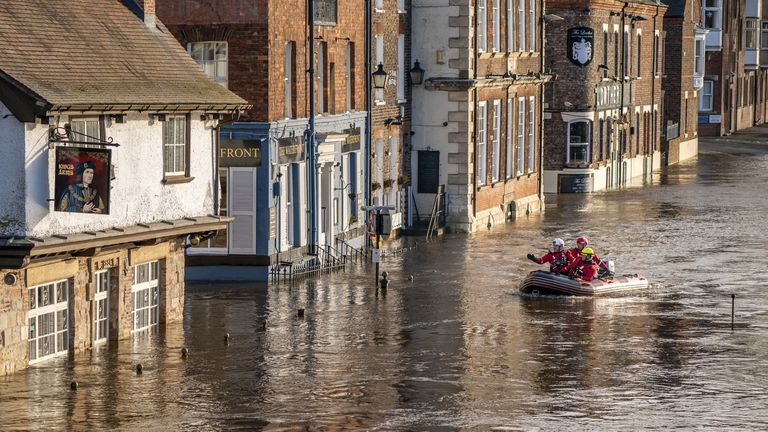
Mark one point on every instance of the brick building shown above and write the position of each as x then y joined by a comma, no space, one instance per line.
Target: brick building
391,108
603,113
477,118
683,78
735,90
107,163
260,50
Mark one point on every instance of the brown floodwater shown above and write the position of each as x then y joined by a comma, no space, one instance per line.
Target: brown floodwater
458,348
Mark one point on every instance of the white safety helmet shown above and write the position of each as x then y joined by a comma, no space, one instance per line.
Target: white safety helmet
558,242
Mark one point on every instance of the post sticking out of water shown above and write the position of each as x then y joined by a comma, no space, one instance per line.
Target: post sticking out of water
733,308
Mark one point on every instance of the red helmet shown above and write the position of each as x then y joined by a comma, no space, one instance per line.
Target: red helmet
582,239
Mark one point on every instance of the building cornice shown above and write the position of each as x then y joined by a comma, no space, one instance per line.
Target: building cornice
460,84
16,252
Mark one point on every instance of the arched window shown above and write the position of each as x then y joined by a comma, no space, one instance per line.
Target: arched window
579,132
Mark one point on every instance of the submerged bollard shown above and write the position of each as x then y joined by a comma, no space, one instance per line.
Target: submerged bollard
139,369
73,385
384,280
733,308
410,278
226,338
184,351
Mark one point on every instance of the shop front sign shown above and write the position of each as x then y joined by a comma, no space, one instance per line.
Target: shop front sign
290,149
240,153
352,142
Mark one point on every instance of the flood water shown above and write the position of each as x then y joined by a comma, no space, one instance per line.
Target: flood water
458,348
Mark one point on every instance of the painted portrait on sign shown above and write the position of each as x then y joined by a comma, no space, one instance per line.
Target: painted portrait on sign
82,180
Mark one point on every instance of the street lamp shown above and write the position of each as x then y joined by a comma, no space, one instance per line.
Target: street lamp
379,77
379,223
417,74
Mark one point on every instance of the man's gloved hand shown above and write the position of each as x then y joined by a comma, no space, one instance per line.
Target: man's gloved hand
531,257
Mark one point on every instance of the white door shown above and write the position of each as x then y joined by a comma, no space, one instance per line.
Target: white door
242,207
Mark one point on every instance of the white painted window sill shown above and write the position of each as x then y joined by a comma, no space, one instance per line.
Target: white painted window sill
380,103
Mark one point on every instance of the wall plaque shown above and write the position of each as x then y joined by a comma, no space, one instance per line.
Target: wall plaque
581,43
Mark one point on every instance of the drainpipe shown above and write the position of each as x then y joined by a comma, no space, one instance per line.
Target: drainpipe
624,55
473,138
368,121
216,146
653,87
310,141
542,51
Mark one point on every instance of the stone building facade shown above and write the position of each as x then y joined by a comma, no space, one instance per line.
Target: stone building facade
108,175
260,50
477,118
603,113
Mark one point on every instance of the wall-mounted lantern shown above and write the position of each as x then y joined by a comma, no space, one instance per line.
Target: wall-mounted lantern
417,74
379,77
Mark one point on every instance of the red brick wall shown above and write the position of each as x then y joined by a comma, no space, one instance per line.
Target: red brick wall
390,23
510,187
257,32
575,87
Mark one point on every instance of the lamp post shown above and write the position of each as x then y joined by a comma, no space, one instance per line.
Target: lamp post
379,220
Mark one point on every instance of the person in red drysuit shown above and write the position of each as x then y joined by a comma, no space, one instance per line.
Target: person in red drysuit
557,258
574,254
584,268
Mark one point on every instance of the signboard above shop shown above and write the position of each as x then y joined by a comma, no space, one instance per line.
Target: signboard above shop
353,140
239,153
290,149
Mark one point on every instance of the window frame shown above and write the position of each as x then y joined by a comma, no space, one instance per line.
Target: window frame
53,309
531,25
495,163
185,146
216,61
521,25
378,96
151,286
531,133
482,135
510,26
751,33
717,11
482,26
509,166
520,136
587,143
102,287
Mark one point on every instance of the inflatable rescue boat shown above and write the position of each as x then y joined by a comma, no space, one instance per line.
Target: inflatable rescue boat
545,283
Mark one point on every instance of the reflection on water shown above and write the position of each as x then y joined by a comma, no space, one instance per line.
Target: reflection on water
458,348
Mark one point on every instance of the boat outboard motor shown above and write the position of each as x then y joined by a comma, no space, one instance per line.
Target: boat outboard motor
611,266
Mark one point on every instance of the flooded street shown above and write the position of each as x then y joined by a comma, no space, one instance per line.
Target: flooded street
458,348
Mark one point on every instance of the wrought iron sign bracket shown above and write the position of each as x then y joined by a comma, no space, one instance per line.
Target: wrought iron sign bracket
65,135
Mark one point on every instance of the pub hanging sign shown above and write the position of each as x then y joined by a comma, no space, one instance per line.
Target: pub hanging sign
82,180
581,44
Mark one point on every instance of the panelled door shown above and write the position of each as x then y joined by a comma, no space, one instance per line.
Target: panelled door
242,207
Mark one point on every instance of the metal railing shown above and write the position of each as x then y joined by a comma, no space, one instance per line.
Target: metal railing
437,220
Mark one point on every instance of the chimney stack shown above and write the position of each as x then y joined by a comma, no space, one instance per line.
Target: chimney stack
148,6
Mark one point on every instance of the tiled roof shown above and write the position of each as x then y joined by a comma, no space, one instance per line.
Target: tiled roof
98,52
